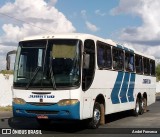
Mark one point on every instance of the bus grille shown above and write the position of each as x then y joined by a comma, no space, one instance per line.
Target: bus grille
41,104
41,112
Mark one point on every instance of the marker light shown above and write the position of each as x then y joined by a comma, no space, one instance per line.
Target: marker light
19,101
66,102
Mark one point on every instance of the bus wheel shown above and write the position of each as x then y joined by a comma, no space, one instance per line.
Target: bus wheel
95,121
137,108
141,106
144,105
43,122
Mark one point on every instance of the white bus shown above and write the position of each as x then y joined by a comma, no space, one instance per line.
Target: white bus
80,76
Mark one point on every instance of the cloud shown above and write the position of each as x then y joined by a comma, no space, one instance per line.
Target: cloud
98,12
31,18
148,50
83,14
3,51
127,7
91,27
52,2
146,36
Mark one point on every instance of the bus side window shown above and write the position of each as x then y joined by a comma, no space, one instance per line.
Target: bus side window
129,62
138,64
104,59
118,59
152,67
100,55
108,57
146,65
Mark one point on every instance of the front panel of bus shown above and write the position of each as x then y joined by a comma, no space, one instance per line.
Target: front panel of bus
47,79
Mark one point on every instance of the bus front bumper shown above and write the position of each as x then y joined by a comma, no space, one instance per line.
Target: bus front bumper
50,112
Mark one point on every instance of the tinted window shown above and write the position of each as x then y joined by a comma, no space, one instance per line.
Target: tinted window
152,67
129,61
118,59
138,64
104,55
48,64
88,64
146,65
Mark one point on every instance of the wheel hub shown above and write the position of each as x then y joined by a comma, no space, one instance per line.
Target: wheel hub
96,116
137,107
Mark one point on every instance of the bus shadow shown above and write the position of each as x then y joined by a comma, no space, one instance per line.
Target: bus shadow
59,127
117,116
158,98
120,115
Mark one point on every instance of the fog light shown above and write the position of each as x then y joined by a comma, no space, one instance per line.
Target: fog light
19,101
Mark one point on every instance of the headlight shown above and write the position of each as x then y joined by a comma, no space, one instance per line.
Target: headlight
66,102
19,101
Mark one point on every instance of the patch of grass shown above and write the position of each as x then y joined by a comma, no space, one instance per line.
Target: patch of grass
6,108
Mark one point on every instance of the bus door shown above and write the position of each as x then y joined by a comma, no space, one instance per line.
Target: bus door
88,75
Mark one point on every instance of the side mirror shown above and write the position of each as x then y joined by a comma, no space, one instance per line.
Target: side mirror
8,63
86,61
8,60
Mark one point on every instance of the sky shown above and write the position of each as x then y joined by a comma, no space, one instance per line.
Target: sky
135,23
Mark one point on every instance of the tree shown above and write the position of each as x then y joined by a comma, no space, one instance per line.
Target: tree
158,72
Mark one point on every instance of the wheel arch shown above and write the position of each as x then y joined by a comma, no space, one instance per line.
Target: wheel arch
100,99
145,95
139,95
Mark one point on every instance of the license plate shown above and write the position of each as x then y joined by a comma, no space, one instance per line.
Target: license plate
42,117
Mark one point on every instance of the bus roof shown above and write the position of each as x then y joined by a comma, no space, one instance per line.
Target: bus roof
84,36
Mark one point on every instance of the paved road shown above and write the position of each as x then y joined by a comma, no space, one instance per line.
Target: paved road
115,123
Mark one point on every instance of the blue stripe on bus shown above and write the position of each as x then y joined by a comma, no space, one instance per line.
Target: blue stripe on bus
131,88
116,88
124,88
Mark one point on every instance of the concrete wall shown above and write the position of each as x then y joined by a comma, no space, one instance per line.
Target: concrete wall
158,87
5,90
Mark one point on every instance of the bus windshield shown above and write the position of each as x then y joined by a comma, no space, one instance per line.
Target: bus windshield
48,64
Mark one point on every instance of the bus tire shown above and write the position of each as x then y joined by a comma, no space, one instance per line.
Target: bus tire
141,105
137,107
144,105
94,122
43,122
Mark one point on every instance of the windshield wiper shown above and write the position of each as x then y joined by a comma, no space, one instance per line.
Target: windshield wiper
35,73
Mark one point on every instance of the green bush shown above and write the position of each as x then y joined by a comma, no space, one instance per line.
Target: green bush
6,72
7,108
158,72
